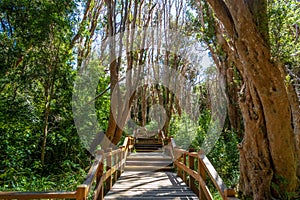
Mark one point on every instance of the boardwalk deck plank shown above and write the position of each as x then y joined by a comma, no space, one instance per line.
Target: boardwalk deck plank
143,182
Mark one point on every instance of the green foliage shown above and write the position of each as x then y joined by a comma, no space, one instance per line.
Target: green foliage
183,129
284,21
102,104
36,70
224,156
284,32
205,32
29,180
91,101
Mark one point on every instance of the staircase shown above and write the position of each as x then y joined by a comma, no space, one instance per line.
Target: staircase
148,157
148,176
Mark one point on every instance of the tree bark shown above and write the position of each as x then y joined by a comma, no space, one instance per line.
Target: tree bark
267,153
113,70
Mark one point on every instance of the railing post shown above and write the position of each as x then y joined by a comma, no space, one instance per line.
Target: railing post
99,175
192,179
172,149
179,171
108,183
130,142
176,159
124,157
82,192
168,148
229,193
121,161
116,157
202,174
184,174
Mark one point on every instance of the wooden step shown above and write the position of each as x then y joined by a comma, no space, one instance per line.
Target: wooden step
147,141
153,168
148,156
149,166
149,150
147,147
148,162
147,159
148,144
152,163
142,149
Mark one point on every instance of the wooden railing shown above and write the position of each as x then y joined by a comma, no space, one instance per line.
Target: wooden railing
195,166
105,170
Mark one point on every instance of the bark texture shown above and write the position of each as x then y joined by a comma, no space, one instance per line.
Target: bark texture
267,154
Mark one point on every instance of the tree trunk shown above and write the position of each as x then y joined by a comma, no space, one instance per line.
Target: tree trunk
144,105
45,129
256,172
115,128
110,132
267,153
48,92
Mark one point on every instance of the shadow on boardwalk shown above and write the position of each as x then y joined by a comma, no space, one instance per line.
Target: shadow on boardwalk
150,185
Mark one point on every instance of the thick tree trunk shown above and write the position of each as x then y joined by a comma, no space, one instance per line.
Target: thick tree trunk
267,153
256,172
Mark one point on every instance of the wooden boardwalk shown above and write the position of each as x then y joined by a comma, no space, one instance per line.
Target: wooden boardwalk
145,177
148,175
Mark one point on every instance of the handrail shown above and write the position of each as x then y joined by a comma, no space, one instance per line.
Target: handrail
194,166
38,195
106,169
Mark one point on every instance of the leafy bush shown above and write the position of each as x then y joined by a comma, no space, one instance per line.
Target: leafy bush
224,156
